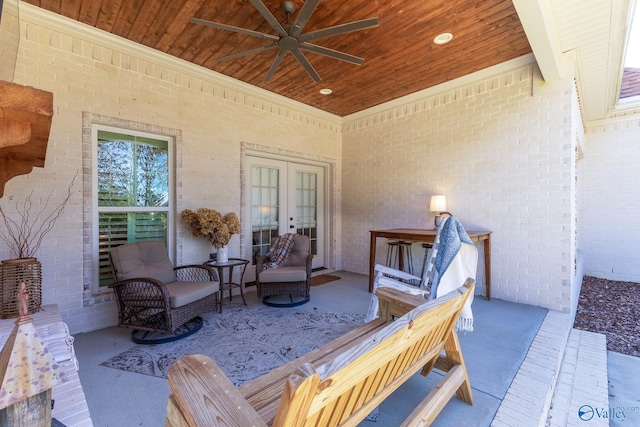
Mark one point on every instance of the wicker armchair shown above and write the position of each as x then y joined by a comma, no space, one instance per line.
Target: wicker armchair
292,280
153,296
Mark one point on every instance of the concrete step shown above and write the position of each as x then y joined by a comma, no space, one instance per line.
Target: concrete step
581,393
528,399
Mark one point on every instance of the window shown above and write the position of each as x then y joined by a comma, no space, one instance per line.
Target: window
133,188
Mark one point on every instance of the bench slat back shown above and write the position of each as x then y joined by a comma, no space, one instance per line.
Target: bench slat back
344,390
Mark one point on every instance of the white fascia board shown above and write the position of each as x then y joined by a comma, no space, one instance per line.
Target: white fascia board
538,21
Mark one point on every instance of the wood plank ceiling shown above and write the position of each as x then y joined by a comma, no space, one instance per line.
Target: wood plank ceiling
400,56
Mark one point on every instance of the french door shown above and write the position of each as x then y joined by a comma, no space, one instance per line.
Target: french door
283,197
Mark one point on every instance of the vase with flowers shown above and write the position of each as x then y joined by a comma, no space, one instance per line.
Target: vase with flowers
217,229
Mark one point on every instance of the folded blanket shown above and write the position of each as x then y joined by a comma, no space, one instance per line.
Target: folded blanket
280,250
456,260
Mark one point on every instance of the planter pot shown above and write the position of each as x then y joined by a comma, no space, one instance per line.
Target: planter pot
223,254
12,273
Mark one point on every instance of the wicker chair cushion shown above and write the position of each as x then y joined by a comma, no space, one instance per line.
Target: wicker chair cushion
143,259
183,293
293,273
298,255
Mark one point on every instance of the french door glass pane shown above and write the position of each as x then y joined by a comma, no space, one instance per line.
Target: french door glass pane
265,209
307,207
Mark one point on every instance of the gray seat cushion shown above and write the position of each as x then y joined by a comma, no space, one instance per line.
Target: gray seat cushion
299,252
183,293
293,273
143,259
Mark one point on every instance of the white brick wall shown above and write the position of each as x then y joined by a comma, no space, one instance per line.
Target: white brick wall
611,201
501,156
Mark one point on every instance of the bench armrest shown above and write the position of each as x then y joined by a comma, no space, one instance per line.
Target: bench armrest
204,396
394,303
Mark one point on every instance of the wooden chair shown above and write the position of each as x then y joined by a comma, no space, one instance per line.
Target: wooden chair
153,296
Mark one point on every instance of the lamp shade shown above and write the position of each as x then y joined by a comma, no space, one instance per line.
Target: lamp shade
438,203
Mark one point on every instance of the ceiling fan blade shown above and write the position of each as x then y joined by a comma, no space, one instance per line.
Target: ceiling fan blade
306,65
339,29
234,29
331,53
303,16
268,16
274,65
246,52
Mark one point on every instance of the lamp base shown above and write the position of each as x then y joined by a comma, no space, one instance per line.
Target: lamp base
438,219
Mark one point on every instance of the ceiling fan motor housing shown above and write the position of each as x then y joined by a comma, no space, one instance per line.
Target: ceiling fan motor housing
288,7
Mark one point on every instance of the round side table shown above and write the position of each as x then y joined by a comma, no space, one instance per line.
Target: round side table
229,284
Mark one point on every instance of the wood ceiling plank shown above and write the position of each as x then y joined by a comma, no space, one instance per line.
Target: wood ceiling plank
52,5
198,42
89,11
144,20
179,24
163,20
71,8
127,15
108,14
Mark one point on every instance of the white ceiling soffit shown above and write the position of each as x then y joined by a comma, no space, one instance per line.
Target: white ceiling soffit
592,32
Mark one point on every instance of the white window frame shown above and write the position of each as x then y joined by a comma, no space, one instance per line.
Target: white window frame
96,210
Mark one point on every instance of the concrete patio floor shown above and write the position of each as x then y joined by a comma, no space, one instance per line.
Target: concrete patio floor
514,358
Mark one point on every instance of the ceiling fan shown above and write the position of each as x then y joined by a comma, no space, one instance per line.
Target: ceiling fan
289,37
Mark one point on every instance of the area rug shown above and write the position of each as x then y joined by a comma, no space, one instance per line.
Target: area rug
322,279
245,342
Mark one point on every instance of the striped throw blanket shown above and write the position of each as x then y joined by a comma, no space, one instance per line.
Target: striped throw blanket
280,250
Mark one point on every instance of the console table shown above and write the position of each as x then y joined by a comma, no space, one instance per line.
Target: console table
418,235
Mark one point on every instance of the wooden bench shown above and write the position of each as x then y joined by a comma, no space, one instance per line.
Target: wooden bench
341,382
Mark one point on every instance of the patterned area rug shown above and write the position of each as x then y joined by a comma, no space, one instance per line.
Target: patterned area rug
246,342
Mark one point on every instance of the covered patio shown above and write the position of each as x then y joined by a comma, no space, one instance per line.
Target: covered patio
514,358
535,150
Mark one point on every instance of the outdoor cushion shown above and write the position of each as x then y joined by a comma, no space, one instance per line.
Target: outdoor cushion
298,255
144,259
294,273
183,293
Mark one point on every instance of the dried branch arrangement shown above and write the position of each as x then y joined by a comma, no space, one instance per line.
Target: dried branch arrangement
24,236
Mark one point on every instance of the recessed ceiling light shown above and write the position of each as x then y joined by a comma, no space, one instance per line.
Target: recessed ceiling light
443,38
326,91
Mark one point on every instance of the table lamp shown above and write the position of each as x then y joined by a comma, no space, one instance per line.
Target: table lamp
438,205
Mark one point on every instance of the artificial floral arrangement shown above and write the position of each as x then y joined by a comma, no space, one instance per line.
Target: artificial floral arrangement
211,225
